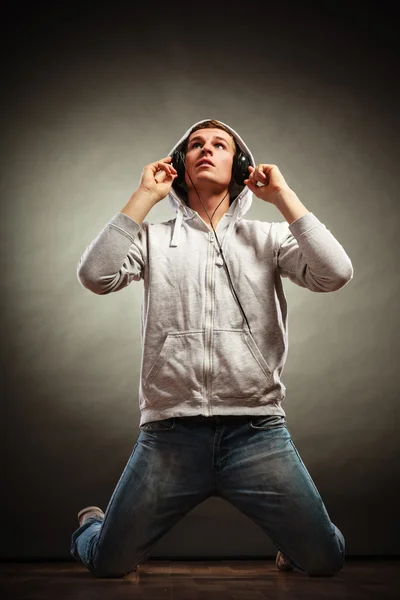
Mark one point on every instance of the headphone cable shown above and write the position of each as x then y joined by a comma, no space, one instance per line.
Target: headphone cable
216,237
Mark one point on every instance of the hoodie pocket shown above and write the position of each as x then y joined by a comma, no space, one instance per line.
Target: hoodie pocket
239,368
178,369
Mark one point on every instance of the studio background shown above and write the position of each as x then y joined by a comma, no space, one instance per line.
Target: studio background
92,94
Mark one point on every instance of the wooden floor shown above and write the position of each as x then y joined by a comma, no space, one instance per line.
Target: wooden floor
197,580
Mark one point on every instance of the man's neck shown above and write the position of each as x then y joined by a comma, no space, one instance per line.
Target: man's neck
210,201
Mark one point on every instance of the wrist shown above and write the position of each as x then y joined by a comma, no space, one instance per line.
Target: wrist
139,205
288,203
144,196
283,196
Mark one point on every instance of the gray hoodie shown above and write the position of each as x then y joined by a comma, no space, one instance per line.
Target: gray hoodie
198,355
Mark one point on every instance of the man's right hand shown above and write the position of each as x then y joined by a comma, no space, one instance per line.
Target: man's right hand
157,179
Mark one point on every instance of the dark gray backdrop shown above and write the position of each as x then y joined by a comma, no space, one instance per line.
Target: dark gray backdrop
92,93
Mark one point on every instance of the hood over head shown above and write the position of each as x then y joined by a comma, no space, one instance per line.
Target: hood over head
241,196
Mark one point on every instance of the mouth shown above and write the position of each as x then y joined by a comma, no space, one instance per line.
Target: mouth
205,162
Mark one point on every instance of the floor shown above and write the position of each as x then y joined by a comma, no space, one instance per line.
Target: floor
360,579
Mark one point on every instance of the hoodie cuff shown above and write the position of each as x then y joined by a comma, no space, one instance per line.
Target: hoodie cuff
305,224
126,225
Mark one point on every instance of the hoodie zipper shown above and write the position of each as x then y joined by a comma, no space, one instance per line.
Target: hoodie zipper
209,320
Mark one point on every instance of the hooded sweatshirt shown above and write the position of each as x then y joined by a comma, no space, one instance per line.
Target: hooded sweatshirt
199,357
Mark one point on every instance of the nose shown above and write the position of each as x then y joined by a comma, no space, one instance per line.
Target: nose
207,147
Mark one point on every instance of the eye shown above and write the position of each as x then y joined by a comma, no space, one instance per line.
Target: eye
195,144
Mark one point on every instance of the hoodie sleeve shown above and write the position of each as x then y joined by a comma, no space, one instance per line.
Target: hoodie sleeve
115,257
310,256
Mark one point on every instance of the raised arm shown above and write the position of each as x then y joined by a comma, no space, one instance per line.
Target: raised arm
117,255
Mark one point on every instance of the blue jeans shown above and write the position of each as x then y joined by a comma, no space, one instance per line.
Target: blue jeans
179,462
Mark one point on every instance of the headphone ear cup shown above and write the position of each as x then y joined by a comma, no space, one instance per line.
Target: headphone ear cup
178,162
240,169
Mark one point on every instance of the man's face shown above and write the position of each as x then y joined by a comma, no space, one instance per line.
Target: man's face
209,157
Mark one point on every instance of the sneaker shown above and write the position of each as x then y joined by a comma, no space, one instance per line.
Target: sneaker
282,563
89,511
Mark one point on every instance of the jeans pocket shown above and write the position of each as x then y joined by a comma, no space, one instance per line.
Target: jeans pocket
162,425
267,421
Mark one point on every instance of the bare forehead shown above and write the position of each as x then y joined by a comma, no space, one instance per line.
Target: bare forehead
209,133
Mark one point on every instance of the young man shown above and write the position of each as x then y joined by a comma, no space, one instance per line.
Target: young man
214,344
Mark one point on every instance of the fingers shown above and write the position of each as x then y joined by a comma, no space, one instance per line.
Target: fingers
162,165
162,176
158,172
150,171
257,175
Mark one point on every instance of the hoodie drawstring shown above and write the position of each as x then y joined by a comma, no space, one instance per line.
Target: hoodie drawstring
177,228
177,232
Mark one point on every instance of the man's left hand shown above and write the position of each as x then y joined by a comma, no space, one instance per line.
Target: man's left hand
271,180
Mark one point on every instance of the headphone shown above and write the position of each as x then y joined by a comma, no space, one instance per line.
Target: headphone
240,165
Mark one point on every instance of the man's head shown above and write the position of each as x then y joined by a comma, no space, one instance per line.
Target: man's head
209,152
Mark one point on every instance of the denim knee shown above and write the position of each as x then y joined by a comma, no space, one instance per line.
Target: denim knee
327,569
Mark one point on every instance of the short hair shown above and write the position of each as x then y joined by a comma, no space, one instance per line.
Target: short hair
211,124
